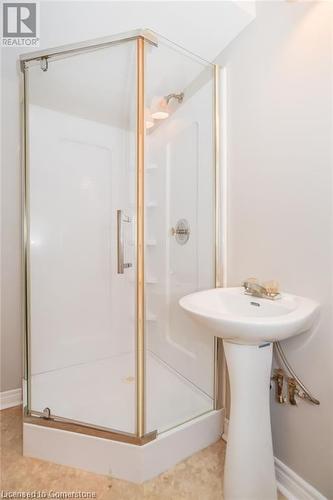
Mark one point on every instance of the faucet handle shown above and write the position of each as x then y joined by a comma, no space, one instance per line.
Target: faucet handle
248,282
269,290
272,288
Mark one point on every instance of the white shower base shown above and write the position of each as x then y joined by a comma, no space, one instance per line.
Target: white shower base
102,393
122,460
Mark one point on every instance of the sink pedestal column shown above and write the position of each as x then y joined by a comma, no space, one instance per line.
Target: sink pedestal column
249,467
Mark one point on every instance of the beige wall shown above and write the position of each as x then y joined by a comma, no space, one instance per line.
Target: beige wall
280,190
11,303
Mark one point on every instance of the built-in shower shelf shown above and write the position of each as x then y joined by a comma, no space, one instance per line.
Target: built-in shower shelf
148,281
149,317
151,280
149,204
149,243
152,166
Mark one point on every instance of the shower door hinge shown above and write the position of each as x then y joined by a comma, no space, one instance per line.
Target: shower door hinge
44,64
46,413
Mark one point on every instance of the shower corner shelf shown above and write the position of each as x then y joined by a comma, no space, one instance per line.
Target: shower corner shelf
151,204
151,280
151,242
148,281
148,317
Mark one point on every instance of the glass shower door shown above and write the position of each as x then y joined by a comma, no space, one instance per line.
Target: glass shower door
180,233
81,244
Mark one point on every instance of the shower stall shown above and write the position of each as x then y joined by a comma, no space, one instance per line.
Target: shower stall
121,202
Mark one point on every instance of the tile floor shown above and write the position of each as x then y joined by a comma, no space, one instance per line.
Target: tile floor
197,478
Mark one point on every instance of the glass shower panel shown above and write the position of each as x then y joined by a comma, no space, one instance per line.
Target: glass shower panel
82,119
180,233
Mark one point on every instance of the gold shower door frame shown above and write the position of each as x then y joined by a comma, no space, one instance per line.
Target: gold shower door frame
42,57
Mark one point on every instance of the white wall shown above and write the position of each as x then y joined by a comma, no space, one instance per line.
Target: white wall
280,190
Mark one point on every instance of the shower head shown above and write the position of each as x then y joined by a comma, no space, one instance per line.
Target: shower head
178,97
160,105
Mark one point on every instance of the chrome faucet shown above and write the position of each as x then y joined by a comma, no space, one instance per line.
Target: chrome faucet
268,291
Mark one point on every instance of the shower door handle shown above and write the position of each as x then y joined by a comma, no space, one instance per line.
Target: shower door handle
121,265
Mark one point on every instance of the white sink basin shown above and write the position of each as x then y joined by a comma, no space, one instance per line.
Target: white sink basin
248,326
243,319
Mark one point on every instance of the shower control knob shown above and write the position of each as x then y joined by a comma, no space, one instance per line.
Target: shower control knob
181,231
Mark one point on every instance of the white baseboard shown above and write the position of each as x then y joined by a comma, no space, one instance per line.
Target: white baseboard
8,399
290,484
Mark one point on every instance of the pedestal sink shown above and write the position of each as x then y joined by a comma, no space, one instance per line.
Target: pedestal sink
248,326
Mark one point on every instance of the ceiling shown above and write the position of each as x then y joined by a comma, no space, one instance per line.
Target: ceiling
203,27
101,85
